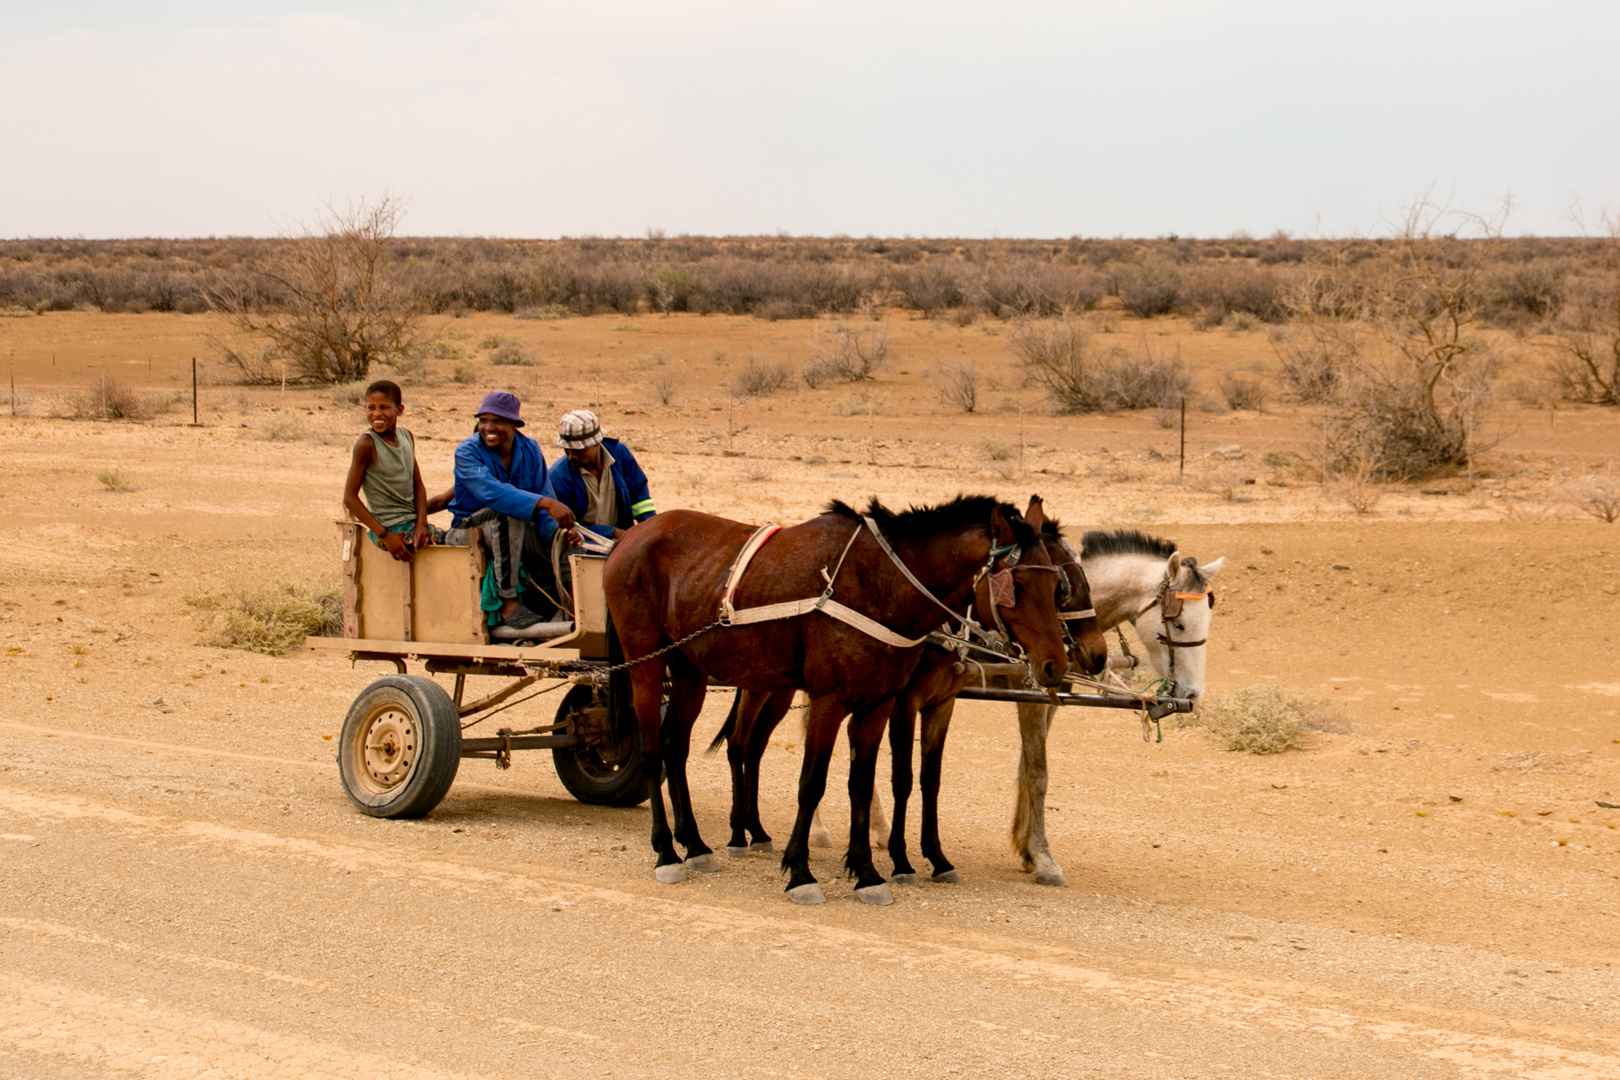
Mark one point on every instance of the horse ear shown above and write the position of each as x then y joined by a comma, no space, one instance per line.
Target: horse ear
1209,570
1036,514
1001,533
1172,569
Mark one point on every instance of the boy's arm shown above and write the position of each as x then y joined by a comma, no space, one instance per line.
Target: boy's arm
361,459
420,537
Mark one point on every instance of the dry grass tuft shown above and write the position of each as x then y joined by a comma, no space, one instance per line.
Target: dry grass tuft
276,619
110,400
113,480
1268,719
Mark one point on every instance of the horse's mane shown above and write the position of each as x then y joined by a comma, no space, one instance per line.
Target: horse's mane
1051,528
1135,542
920,522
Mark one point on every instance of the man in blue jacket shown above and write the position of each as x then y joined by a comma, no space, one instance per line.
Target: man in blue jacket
504,490
599,479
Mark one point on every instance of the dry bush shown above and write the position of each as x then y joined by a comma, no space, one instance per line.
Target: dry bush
757,379
343,301
1243,391
464,372
664,386
113,480
1314,357
1079,379
1599,497
349,393
109,400
756,470
1151,288
1587,334
994,450
958,385
1418,409
1268,719
276,619
854,354
1357,483
281,429
931,287
513,354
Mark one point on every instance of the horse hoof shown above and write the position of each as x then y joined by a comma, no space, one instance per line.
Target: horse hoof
949,877
807,895
903,879
761,845
670,874
737,852
704,864
1052,877
820,839
878,895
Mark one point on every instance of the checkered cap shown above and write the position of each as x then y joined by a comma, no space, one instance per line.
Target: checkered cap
579,429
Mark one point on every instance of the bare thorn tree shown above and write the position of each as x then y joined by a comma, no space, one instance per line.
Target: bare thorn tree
1417,409
850,353
340,302
1587,336
958,385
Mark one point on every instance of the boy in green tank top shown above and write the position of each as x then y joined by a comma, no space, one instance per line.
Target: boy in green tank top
383,466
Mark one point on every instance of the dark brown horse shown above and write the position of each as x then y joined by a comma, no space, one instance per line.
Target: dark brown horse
932,690
665,584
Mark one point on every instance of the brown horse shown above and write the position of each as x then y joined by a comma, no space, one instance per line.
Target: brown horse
932,691
905,573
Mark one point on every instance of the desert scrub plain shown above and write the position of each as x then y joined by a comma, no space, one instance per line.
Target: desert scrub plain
1425,886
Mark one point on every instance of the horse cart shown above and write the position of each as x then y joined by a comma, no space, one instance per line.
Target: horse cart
405,735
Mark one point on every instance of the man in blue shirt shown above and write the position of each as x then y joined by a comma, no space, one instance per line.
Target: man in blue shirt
504,491
599,479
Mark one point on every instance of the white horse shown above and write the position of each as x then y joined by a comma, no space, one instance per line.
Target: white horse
1169,599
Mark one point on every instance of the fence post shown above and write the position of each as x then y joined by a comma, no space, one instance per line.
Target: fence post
1183,473
193,391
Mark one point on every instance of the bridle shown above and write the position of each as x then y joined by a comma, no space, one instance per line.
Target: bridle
1169,601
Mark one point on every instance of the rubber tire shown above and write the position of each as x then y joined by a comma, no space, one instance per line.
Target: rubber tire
582,771
438,755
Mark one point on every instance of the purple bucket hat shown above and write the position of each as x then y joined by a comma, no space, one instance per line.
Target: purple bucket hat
502,404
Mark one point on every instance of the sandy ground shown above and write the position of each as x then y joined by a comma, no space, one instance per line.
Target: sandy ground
184,891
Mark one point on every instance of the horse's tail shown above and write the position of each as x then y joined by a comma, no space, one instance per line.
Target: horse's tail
728,727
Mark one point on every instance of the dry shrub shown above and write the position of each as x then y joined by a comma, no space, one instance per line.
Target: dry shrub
281,429
513,354
994,450
1599,497
1265,718
756,379
854,354
1080,379
1314,357
349,393
1243,391
110,400
464,372
958,385
664,385
276,619
1151,288
931,287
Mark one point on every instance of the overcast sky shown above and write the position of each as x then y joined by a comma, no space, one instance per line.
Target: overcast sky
538,119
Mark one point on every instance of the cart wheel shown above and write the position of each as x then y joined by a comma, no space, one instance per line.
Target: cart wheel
400,747
607,774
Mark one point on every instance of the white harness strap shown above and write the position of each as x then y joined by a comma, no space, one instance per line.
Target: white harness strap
788,609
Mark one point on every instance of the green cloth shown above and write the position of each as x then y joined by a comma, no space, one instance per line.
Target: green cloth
404,528
390,482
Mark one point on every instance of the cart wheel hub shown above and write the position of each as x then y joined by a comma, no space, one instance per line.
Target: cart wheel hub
388,747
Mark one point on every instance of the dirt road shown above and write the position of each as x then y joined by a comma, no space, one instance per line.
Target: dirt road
184,891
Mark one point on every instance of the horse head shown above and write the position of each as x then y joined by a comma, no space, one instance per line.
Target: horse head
1175,629
1020,592
1088,649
